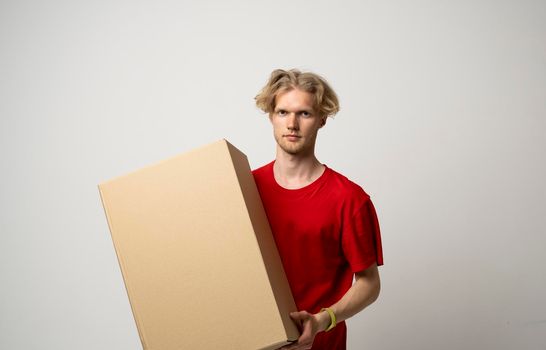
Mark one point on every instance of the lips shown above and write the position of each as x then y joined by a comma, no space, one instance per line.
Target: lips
292,137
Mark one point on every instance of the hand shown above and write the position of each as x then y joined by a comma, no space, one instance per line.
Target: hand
309,326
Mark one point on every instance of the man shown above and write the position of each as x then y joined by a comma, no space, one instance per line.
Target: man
325,226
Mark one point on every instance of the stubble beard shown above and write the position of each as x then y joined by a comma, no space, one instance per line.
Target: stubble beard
292,148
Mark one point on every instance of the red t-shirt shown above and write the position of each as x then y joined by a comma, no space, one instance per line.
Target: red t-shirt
325,232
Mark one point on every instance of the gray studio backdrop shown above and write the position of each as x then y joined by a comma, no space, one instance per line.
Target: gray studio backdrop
443,123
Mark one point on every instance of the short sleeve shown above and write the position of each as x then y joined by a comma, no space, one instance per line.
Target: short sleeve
361,237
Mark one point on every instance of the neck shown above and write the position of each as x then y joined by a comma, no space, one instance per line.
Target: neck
296,171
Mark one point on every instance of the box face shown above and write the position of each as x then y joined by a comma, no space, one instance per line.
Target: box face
197,255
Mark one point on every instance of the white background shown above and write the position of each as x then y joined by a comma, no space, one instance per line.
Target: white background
443,123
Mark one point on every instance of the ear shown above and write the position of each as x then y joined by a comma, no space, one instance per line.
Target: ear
323,121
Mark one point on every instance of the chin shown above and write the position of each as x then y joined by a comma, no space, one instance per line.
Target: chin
292,150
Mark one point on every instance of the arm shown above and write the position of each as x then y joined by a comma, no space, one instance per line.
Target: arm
362,293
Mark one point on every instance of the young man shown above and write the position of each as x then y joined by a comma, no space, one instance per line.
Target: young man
325,226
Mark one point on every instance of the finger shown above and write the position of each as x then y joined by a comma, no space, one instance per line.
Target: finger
288,346
306,336
300,347
295,316
292,346
299,318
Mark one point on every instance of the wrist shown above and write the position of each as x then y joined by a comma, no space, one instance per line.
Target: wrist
324,320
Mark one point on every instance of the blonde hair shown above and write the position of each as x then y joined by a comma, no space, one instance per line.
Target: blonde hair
280,81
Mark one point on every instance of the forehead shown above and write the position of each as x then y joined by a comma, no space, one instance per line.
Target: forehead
294,99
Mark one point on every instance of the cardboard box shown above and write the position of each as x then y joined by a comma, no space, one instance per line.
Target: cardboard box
200,264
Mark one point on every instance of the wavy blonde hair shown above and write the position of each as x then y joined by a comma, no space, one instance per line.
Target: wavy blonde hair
326,103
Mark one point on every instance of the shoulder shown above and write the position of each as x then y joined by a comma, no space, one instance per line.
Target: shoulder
351,195
263,173
346,186
262,169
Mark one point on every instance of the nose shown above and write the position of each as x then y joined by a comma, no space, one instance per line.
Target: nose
292,122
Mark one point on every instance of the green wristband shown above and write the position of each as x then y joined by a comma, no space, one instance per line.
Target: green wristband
332,318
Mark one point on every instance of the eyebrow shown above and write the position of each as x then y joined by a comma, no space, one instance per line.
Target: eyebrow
310,111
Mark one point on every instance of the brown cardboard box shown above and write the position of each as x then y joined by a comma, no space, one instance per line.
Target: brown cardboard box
197,255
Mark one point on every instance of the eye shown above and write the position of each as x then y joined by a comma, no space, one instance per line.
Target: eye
281,112
305,114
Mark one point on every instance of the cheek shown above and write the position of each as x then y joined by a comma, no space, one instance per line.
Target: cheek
277,129
312,126
277,124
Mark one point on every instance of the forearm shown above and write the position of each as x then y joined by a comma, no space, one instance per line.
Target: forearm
362,293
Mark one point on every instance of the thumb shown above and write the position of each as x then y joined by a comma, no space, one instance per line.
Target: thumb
299,317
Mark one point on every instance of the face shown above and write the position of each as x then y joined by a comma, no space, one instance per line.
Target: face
295,122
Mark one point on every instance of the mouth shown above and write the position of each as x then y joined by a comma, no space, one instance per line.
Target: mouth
292,137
